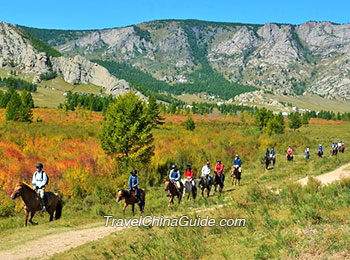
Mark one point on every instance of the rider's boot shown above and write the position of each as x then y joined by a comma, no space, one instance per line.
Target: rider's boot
42,204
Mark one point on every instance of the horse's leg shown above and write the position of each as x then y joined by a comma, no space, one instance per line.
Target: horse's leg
32,213
26,217
133,209
51,216
125,205
202,192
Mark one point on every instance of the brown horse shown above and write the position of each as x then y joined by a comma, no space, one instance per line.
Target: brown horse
130,198
173,192
32,202
236,176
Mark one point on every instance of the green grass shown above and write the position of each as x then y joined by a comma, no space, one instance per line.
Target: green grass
297,221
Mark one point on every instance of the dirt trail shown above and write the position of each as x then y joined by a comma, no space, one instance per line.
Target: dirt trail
49,245
58,243
337,174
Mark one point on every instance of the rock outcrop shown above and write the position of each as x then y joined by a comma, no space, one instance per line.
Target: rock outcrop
78,70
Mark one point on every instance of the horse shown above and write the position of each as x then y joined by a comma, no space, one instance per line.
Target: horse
290,157
342,148
236,176
173,192
31,202
334,151
130,199
189,188
273,160
319,153
218,179
266,161
205,183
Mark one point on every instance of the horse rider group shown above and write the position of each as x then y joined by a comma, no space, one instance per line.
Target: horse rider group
175,175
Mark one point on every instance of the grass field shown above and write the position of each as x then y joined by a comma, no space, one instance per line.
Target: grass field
284,220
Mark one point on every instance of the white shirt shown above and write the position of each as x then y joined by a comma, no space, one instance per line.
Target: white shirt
205,170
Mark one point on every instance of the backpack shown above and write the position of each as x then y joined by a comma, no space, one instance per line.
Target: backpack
47,177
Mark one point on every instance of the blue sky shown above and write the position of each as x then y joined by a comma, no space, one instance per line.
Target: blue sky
88,14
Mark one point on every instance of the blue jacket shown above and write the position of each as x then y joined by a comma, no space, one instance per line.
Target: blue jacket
320,148
174,175
273,152
238,162
133,181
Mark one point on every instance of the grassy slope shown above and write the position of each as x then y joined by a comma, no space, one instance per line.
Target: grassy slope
53,95
276,223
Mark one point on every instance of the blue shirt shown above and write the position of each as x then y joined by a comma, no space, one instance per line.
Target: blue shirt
320,148
238,162
273,152
133,181
174,175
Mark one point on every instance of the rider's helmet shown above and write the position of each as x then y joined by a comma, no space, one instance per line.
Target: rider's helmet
173,166
188,165
39,165
134,171
272,148
236,155
208,163
219,161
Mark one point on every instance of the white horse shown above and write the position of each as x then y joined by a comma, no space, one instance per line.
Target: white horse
189,187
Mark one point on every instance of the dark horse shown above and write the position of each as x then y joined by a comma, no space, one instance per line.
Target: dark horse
204,183
32,202
320,153
173,192
269,159
218,179
236,176
130,198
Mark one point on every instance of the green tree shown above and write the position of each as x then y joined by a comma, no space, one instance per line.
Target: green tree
126,131
262,116
275,125
294,120
153,112
13,107
189,124
305,119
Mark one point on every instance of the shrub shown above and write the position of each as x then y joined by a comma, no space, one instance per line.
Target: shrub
7,205
189,124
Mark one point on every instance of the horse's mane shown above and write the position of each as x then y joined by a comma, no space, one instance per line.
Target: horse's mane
25,186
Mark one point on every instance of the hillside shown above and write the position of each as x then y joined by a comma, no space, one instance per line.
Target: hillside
198,56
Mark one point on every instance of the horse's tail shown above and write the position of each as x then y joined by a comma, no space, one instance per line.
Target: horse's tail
58,213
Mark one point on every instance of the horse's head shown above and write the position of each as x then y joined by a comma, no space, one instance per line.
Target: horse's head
17,191
120,195
166,185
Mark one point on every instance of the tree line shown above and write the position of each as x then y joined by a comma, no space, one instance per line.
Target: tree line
18,84
87,101
18,106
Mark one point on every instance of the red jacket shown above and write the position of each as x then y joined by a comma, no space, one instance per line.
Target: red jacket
219,168
189,174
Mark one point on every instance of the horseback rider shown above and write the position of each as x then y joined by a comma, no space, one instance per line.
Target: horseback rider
189,174
307,153
289,152
267,153
237,163
320,150
273,152
133,185
39,182
175,176
219,167
206,171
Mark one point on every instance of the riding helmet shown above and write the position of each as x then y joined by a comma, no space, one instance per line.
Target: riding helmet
134,171
39,165
173,166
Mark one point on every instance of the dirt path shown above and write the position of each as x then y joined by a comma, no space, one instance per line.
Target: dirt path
343,171
58,243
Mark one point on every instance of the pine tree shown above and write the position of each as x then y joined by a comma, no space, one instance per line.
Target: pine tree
126,130
294,120
25,113
153,112
189,124
13,107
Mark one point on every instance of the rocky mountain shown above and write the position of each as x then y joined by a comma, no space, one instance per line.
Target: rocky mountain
276,58
21,50
221,59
